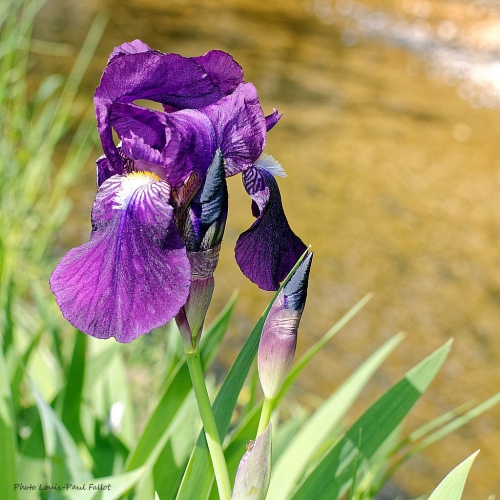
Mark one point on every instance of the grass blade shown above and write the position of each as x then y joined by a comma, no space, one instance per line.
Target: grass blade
333,474
320,425
8,447
452,486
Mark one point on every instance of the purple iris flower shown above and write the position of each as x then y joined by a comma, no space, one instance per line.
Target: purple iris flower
152,211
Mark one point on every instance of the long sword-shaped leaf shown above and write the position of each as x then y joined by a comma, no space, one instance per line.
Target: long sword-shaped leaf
61,450
197,480
321,424
8,447
333,474
176,390
452,486
106,488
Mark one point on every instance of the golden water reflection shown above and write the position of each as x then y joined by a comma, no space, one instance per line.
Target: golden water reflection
393,179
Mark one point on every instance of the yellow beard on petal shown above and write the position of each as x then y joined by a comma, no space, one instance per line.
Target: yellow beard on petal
130,184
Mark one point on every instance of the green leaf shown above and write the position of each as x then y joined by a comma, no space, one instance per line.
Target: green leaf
116,486
171,462
452,486
176,390
198,478
61,450
213,336
333,474
307,356
8,437
74,388
172,398
306,443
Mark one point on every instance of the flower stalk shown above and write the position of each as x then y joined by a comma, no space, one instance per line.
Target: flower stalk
209,426
265,414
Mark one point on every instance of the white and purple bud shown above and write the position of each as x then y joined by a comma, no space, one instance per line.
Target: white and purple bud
254,471
201,225
279,334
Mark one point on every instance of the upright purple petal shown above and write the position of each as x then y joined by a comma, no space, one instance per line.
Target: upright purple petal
273,119
222,69
240,128
133,275
134,47
169,79
267,251
192,146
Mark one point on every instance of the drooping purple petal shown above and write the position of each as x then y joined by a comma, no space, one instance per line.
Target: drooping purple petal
267,251
133,275
273,119
133,47
169,79
240,128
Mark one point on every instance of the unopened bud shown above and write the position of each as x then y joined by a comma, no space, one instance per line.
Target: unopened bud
254,471
279,334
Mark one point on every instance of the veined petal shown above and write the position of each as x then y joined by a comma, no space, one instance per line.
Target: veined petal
273,119
191,147
133,275
267,251
222,69
169,79
134,47
240,128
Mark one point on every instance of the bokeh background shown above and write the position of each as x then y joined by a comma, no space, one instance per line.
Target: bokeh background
390,138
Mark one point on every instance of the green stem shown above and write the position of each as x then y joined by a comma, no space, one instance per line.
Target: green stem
265,415
209,425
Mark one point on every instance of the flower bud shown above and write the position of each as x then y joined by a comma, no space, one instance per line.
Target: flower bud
279,334
254,471
202,225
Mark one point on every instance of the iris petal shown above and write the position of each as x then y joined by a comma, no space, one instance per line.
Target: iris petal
169,79
126,48
267,251
240,128
133,275
273,119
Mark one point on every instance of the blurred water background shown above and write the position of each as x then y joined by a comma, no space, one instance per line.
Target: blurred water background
390,138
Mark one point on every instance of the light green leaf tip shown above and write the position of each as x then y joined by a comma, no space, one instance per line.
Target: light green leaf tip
452,486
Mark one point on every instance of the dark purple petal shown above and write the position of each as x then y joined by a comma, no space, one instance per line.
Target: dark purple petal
192,146
169,79
104,170
150,125
273,119
174,145
267,251
133,275
222,69
134,47
240,128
